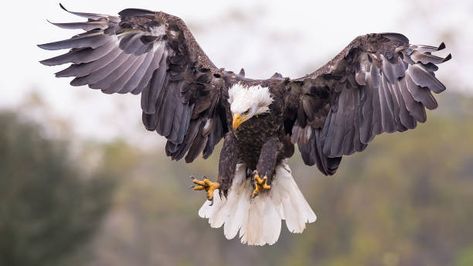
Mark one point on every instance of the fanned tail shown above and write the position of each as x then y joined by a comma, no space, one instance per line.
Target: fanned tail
258,220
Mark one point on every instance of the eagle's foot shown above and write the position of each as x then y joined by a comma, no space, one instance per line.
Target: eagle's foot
260,185
207,185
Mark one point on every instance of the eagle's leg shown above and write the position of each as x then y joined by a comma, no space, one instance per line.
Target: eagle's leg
226,169
227,162
263,175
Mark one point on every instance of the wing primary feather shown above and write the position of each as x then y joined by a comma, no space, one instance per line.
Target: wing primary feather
420,94
131,12
387,117
89,25
167,111
349,122
395,107
91,40
196,148
82,70
141,74
366,129
425,79
87,55
339,126
148,74
388,70
399,69
185,124
176,122
405,118
126,72
85,15
62,59
103,73
425,58
157,93
416,109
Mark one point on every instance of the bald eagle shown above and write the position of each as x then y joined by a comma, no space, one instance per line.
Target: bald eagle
378,83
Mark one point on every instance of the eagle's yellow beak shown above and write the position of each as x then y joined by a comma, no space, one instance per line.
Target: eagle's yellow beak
238,119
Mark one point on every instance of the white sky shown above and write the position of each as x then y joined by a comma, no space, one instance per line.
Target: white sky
290,37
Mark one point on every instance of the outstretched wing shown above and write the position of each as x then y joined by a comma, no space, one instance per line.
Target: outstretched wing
378,83
154,54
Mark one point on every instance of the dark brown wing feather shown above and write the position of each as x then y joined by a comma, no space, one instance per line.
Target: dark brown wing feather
155,55
379,83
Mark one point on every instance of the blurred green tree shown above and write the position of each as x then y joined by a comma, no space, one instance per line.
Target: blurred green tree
49,208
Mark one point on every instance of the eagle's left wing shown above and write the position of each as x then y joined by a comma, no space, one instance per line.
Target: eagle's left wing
153,54
378,83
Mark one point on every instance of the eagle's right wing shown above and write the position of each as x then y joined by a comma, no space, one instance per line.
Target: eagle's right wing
378,83
155,55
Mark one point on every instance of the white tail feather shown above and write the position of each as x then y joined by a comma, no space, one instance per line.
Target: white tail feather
258,220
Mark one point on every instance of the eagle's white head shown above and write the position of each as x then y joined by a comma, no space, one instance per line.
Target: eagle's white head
247,102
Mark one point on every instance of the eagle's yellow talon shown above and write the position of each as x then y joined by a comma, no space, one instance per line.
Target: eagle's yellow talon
198,187
255,191
207,185
261,184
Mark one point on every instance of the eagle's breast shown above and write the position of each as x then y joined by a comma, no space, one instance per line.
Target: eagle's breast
254,132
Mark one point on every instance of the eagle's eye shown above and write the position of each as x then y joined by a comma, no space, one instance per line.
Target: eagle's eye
246,112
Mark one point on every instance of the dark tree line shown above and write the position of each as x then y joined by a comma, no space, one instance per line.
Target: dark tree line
49,208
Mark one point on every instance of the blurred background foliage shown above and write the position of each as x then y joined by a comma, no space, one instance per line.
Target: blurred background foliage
407,200
49,207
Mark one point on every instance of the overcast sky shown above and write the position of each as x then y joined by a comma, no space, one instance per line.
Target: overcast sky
290,37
